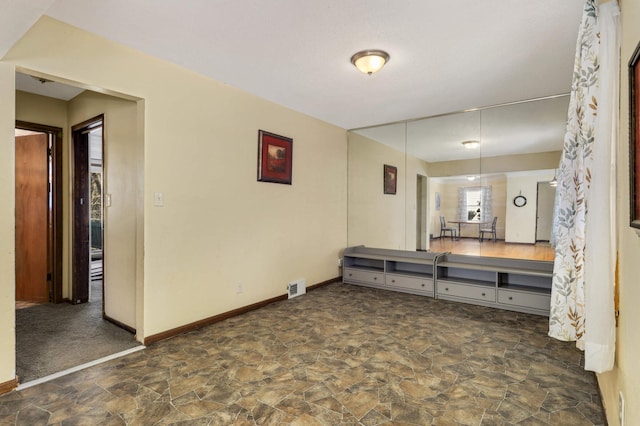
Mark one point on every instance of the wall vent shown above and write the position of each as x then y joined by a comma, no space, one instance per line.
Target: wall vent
296,288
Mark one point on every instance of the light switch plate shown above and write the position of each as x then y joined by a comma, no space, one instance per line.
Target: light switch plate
158,199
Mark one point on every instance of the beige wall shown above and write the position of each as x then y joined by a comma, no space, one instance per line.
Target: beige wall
121,167
7,224
414,168
449,202
625,376
521,221
219,227
376,219
502,164
520,162
433,217
41,110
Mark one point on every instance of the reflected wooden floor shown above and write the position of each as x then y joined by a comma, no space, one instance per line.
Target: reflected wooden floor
472,246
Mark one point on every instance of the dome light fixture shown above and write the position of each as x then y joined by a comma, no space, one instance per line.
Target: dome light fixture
42,80
370,61
473,144
471,178
554,181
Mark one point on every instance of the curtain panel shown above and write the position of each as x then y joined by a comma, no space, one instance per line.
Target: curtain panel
583,233
487,203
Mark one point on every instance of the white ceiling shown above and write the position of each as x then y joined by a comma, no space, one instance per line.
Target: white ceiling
445,55
520,128
44,87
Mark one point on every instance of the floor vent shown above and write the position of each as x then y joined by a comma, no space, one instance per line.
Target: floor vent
296,288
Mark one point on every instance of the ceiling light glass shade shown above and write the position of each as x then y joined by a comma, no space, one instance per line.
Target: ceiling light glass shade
42,79
553,182
471,144
370,61
471,178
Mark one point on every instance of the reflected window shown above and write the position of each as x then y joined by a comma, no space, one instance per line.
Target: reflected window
473,201
474,204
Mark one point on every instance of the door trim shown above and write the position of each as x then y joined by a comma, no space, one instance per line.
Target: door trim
54,246
82,259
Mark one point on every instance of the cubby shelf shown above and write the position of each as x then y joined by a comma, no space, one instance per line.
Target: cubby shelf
513,284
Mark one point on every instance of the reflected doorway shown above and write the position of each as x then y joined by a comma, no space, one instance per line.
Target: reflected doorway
544,211
422,242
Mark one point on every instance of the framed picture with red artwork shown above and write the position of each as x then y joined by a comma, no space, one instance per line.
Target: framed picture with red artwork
390,179
274,158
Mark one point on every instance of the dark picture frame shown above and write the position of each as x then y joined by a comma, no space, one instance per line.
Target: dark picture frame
275,158
390,179
634,137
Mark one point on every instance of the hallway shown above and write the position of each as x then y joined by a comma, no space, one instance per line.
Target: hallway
54,337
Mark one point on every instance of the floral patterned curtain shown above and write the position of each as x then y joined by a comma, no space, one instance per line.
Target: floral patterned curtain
462,204
487,203
579,298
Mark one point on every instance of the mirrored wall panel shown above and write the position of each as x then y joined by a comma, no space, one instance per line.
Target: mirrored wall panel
477,182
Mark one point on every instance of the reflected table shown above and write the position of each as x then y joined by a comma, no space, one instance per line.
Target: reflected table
469,222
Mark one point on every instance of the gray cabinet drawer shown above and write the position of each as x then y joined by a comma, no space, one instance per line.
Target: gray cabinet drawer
529,300
410,283
353,274
467,291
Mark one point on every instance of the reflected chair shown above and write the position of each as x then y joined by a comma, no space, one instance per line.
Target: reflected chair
444,229
491,230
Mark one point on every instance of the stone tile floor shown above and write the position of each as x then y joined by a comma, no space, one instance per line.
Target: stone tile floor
340,354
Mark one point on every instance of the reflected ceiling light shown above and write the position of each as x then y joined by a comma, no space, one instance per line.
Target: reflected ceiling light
471,144
370,61
471,178
42,80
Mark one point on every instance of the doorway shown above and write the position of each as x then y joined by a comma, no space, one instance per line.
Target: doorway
422,242
544,211
50,337
38,213
87,209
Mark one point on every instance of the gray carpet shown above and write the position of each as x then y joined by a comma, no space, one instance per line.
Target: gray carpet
54,337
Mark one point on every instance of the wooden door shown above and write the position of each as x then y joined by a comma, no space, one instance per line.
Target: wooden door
32,193
81,232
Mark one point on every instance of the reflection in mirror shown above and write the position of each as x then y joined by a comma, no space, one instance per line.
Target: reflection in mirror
376,219
520,147
520,232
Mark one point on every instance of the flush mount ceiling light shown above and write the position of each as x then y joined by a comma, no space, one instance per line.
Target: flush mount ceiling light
471,144
370,61
42,80
471,178
554,181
